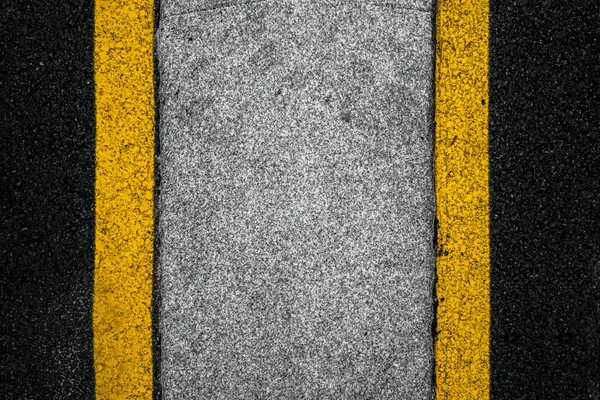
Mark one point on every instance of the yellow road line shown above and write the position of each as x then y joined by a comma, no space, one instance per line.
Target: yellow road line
124,84
462,196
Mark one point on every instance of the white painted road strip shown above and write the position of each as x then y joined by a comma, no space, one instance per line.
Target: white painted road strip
296,206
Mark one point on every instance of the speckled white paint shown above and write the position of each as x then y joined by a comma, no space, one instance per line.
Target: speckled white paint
296,204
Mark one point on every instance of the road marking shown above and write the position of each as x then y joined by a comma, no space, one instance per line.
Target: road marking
124,87
462,196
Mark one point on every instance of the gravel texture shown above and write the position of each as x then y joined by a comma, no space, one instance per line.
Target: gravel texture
296,205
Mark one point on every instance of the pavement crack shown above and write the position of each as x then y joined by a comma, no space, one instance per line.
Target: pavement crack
401,7
215,7
244,3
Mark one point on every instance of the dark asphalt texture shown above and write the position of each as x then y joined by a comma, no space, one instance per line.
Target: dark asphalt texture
46,199
544,183
545,199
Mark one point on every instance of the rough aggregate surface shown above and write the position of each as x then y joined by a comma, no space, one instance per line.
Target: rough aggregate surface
296,206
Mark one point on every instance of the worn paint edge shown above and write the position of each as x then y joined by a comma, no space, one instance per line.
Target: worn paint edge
156,293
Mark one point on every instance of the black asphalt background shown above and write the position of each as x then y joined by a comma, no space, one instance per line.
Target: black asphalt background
545,187
46,199
545,199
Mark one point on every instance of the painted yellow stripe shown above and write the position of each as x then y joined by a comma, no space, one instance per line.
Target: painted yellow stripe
462,196
124,84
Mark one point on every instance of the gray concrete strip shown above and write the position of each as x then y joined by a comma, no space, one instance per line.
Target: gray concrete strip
296,207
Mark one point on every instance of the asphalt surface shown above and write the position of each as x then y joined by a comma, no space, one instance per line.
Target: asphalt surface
296,208
544,163
46,199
